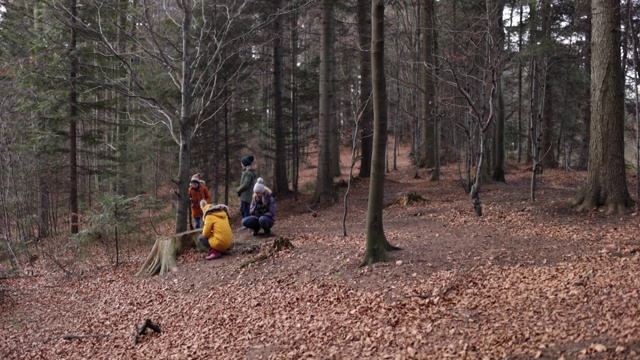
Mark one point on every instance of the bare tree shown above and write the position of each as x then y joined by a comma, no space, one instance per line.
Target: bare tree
480,97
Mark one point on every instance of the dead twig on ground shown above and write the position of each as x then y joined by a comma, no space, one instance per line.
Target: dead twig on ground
72,337
141,330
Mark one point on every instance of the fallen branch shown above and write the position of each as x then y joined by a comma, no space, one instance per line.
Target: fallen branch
72,337
141,330
313,212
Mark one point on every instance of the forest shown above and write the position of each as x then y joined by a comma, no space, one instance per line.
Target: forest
453,178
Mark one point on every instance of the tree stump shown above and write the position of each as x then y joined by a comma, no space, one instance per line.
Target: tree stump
279,244
162,258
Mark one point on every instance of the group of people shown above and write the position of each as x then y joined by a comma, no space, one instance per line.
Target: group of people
257,208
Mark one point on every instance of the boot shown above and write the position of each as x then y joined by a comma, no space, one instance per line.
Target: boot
213,254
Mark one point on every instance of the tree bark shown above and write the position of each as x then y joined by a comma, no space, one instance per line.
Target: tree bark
548,159
428,134
366,119
73,122
605,184
186,122
325,190
497,33
162,258
583,155
281,182
376,245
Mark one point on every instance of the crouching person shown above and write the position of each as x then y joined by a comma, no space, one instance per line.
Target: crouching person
216,234
262,213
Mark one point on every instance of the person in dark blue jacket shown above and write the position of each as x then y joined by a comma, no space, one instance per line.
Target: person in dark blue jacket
262,213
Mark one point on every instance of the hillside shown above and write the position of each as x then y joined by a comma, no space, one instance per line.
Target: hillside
527,280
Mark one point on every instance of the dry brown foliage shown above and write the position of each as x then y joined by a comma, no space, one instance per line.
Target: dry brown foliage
527,280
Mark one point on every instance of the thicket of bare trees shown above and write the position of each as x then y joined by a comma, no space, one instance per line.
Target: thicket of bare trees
107,107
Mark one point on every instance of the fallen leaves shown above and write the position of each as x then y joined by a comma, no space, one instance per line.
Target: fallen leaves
524,281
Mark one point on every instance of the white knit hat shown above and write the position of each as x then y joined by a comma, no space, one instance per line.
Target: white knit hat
259,186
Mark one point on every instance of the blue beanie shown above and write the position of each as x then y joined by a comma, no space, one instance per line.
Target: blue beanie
247,160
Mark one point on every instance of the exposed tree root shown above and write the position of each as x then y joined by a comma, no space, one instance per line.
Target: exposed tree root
585,201
379,255
278,244
407,199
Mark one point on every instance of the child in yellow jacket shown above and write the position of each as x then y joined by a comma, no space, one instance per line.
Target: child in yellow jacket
216,234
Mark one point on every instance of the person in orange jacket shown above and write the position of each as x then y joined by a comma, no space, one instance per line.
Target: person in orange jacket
216,234
197,193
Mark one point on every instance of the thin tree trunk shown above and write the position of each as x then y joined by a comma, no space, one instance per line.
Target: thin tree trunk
325,190
636,69
546,131
519,135
428,140
73,122
366,119
376,245
281,183
295,148
497,33
186,122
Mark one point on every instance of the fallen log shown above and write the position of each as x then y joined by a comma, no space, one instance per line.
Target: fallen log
162,258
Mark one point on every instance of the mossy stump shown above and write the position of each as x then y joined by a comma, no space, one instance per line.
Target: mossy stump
162,258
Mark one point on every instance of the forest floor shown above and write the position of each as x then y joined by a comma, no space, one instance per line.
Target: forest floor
526,280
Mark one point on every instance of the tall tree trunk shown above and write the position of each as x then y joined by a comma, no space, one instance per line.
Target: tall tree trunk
295,146
281,182
520,105
121,105
428,140
73,121
497,33
186,122
533,82
365,112
376,245
325,190
548,159
583,155
227,157
44,190
606,182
